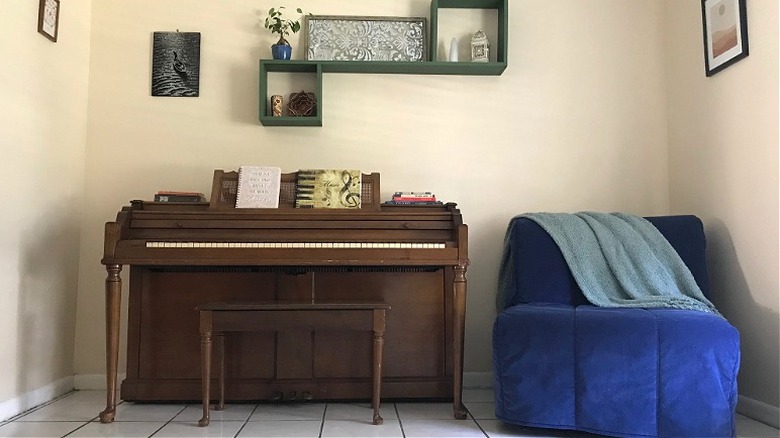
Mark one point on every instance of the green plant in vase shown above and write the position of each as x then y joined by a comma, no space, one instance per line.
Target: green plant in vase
282,27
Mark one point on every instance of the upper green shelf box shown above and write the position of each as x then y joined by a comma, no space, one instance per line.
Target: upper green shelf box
502,8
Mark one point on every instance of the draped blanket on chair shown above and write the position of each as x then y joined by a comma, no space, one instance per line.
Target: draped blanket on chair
621,260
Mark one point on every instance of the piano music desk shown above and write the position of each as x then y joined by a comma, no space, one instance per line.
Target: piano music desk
218,318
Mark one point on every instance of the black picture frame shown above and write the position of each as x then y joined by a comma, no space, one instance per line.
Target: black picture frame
725,33
175,64
49,19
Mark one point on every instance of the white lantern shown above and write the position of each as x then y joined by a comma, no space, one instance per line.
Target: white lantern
480,47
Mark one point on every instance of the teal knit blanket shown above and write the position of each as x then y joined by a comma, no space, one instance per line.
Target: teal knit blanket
621,260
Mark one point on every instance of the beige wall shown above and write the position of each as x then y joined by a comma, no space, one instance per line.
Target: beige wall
723,156
577,121
43,120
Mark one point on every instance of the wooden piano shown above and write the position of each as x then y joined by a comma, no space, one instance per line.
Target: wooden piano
181,255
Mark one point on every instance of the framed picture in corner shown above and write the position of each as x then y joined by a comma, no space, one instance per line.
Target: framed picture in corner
725,33
49,18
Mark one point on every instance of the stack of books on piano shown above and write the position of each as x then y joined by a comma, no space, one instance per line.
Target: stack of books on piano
168,196
414,198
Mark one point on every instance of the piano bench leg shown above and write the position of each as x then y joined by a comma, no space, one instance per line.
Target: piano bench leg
205,377
221,354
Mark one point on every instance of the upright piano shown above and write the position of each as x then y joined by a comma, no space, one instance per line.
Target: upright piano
185,254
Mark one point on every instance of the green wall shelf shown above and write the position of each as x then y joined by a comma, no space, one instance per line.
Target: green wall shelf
267,66
502,6
388,67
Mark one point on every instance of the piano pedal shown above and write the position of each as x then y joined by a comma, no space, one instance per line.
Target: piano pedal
292,396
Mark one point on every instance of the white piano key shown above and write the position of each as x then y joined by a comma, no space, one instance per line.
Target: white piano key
298,245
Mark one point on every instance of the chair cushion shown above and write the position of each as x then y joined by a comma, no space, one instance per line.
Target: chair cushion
621,372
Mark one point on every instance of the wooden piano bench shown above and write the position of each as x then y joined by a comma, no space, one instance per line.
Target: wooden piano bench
219,318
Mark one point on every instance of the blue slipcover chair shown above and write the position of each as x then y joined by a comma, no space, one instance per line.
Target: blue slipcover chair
562,363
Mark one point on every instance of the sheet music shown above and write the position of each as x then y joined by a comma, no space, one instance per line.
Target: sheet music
258,187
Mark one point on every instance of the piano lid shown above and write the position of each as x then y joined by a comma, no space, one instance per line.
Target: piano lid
203,234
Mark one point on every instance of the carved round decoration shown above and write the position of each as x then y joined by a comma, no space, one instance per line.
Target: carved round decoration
302,104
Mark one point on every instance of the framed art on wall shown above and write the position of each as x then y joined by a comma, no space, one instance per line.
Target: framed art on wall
725,33
348,38
49,18
176,64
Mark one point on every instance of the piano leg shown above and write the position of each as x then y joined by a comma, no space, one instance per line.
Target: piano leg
206,327
459,324
113,309
379,342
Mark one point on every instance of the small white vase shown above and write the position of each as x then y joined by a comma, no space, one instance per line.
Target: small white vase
454,50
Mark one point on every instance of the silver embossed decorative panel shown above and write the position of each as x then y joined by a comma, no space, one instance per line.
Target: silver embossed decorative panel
346,38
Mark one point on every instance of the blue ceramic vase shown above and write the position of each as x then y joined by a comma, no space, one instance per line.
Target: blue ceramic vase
281,51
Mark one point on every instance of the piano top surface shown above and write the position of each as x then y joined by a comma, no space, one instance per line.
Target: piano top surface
133,238
189,208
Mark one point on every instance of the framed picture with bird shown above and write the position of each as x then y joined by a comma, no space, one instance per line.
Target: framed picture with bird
176,64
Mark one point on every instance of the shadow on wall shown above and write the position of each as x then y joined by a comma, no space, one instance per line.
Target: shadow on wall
245,88
48,273
759,326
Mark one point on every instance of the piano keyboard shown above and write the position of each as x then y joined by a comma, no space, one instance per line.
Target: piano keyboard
298,245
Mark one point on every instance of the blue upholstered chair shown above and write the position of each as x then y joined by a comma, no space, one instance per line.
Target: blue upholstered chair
562,363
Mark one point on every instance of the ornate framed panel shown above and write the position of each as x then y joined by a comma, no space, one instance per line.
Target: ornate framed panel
350,38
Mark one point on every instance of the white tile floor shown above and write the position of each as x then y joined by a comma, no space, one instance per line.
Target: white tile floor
74,415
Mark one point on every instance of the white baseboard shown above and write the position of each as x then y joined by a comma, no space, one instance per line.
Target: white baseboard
86,382
15,406
759,411
475,380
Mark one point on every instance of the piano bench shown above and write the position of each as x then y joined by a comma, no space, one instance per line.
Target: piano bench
221,317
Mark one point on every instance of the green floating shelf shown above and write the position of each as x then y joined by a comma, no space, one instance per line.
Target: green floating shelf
291,121
388,67
415,68
501,6
267,66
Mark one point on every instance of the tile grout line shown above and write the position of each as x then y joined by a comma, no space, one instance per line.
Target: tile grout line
322,423
400,423
238,432
170,420
78,428
36,408
484,432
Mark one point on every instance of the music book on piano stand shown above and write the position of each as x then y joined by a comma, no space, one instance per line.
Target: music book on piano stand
328,188
258,187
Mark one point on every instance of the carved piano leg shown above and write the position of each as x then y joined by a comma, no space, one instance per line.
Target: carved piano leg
379,341
205,364
113,309
459,324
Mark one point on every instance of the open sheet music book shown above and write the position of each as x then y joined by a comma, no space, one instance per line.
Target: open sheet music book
258,187
328,188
